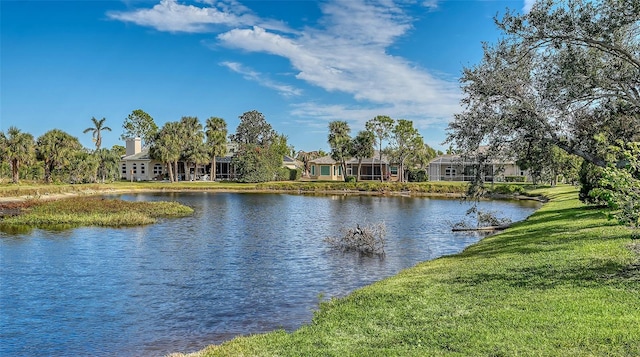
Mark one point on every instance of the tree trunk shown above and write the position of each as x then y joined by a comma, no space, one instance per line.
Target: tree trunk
170,171
175,170
359,165
381,175
344,170
47,172
213,168
14,171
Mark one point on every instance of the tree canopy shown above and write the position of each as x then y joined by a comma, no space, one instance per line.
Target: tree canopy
565,75
552,72
96,131
253,129
56,149
260,149
340,142
381,127
19,148
139,124
216,132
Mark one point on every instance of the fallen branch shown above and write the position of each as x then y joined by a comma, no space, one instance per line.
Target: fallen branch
489,228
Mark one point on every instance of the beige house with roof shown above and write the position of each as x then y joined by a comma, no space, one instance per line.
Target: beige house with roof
136,164
327,169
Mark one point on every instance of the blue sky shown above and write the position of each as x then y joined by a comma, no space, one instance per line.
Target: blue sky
301,63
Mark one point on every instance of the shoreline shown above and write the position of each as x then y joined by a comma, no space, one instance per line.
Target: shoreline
13,205
523,281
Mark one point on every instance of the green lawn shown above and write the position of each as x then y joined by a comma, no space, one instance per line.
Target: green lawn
566,282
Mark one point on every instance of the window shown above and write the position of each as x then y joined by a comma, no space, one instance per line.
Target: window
135,169
449,171
394,170
349,171
313,170
157,169
124,169
142,169
325,170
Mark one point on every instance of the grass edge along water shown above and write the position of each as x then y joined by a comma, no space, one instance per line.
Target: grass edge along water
565,282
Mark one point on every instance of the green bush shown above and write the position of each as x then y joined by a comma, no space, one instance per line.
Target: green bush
351,179
591,187
295,174
507,189
417,175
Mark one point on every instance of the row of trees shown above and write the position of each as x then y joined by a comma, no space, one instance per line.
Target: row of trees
58,156
406,145
565,76
258,156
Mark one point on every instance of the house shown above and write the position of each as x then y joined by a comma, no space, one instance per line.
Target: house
460,168
327,169
291,163
137,165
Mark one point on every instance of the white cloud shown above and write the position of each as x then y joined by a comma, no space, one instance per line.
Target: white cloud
171,16
430,4
251,75
348,54
528,4
345,52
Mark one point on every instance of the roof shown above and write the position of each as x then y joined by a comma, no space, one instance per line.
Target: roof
142,155
324,160
459,159
328,160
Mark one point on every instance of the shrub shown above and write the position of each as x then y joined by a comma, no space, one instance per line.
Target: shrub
417,175
591,186
507,189
350,179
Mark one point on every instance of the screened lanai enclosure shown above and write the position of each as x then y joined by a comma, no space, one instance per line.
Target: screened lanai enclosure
459,168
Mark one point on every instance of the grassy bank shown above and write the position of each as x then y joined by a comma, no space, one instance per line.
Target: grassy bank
91,211
566,282
436,188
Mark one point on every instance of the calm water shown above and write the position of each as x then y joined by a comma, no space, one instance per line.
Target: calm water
244,263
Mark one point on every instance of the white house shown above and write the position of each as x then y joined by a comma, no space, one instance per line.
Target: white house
136,164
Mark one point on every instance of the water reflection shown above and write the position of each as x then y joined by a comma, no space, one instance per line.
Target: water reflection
243,263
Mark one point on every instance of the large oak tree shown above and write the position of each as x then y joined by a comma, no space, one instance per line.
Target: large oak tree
566,75
545,80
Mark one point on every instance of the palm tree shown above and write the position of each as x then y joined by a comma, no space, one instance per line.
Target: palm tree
55,148
166,147
362,147
96,131
340,142
216,130
192,138
19,149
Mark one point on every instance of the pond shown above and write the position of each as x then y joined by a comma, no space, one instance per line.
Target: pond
243,263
